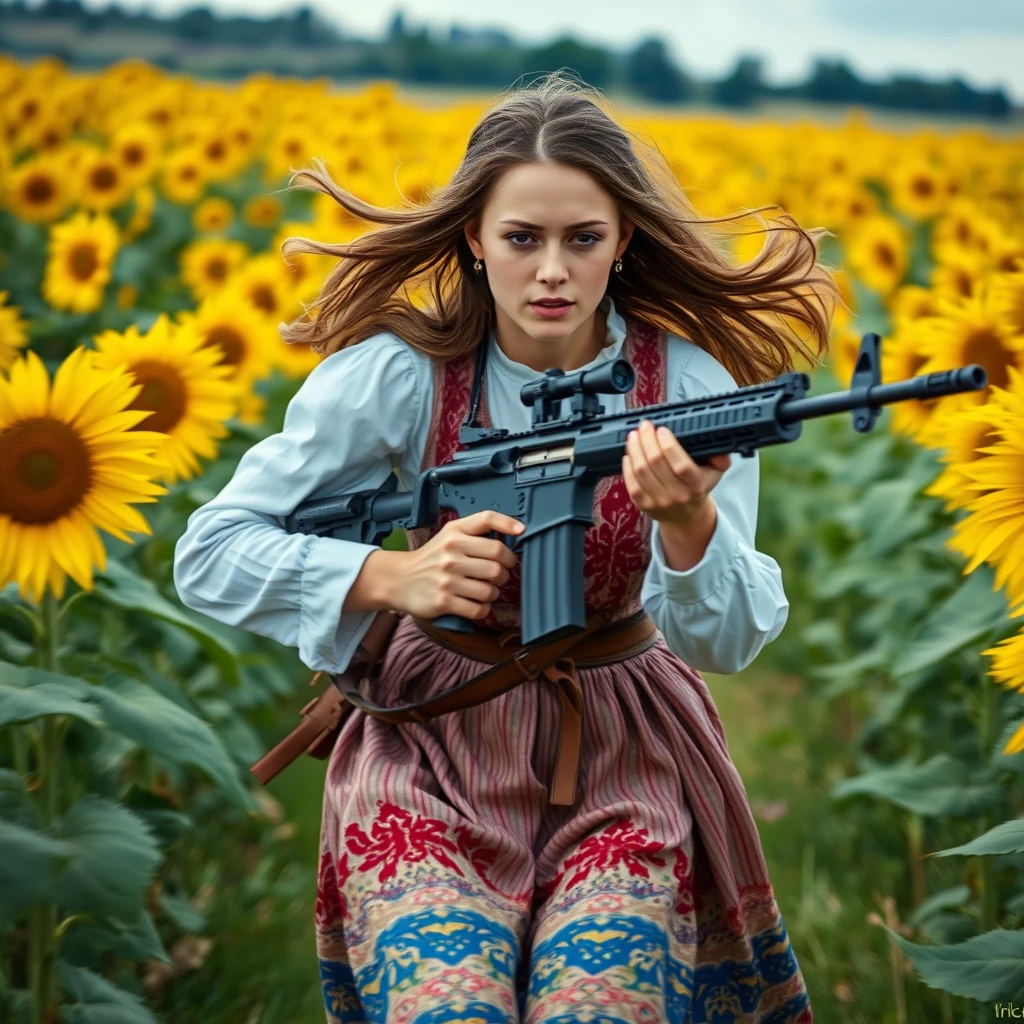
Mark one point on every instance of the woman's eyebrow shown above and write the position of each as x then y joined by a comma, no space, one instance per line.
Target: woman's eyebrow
538,227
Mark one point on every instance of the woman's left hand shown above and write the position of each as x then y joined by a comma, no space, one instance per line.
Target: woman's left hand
662,480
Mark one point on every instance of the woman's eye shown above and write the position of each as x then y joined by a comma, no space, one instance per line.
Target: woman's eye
524,234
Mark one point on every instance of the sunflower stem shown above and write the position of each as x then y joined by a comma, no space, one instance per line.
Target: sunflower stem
43,924
989,715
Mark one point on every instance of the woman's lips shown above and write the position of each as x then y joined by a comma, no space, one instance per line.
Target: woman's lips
551,312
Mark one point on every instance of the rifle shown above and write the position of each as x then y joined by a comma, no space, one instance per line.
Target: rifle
546,475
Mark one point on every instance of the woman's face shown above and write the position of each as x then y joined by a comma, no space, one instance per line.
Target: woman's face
568,252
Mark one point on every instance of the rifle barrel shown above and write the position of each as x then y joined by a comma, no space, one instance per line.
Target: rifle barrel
923,387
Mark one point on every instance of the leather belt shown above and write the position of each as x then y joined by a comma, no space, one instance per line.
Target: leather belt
600,643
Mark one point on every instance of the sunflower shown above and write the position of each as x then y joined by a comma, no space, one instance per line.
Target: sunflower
182,178
70,462
13,333
82,250
955,230
266,283
138,147
963,436
918,188
911,302
879,253
262,211
902,357
104,184
184,384
220,159
1008,294
1008,668
971,330
843,350
212,215
959,274
245,340
208,263
292,146
37,190
993,530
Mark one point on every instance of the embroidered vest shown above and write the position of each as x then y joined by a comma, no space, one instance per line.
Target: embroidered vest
617,547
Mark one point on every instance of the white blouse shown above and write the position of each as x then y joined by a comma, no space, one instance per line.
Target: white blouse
366,410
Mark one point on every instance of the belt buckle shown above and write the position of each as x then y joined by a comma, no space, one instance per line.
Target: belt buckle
518,659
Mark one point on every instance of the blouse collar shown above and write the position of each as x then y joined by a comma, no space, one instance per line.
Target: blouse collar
616,335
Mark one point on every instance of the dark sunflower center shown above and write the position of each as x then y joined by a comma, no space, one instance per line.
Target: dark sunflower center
45,469
187,173
923,187
215,150
964,283
262,296
133,155
217,268
984,347
83,261
885,256
162,392
230,343
103,178
39,189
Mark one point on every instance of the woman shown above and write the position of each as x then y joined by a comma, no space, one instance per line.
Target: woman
453,886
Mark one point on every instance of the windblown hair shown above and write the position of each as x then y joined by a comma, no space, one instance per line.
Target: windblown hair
677,273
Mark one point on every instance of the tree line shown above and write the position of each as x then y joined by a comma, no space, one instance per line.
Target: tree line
302,42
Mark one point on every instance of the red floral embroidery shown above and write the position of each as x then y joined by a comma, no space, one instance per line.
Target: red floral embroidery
619,844
480,857
399,836
331,906
617,546
685,902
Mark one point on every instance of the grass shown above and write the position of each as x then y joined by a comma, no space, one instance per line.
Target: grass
830,867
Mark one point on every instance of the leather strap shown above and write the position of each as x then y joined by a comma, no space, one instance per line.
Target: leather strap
599,643
322,716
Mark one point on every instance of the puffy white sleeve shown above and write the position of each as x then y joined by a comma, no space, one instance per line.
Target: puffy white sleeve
719,614
343,430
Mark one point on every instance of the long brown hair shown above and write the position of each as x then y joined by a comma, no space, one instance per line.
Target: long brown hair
677,273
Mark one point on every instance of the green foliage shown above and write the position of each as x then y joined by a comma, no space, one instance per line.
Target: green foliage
884,619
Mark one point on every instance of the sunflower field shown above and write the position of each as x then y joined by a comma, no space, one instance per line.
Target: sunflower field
141,289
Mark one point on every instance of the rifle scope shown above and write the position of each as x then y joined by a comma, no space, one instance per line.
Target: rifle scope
615,377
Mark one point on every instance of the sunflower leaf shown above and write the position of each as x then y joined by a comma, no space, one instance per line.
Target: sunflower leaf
28,693
113,858
1005,838
28,867
969,613
126,589
942,786
986,967
98,1001
168,729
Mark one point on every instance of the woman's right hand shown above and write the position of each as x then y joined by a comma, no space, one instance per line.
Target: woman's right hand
457,572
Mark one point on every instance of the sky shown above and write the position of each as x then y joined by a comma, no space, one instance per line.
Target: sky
980,40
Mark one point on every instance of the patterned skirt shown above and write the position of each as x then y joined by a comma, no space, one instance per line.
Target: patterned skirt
450,889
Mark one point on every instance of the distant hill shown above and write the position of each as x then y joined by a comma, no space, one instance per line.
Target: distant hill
300,43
